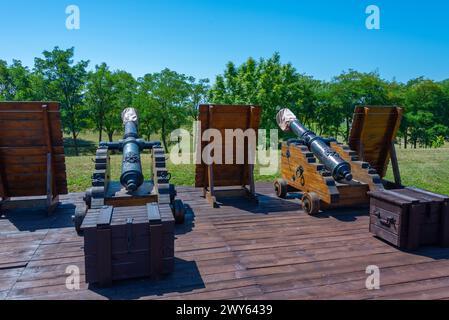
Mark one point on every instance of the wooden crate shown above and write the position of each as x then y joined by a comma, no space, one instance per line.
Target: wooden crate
128,242
410,217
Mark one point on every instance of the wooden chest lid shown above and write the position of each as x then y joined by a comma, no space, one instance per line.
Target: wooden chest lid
109,216
425,195
394,196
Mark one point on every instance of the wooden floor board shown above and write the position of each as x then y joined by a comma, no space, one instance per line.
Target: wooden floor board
239,251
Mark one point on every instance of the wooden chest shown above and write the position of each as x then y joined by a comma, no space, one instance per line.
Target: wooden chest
410,217
128,242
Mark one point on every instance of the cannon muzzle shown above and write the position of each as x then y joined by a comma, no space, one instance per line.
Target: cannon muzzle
340,169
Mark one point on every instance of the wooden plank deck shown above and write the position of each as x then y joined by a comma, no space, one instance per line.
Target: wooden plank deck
240,251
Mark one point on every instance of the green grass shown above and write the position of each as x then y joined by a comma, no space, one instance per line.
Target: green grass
423,168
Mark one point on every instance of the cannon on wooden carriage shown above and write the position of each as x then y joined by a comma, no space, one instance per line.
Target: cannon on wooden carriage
132,189
328,174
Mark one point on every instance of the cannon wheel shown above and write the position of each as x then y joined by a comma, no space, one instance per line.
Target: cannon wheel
78,218
280,187
311,203
178,211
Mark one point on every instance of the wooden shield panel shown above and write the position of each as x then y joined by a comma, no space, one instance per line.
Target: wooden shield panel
28,132
373,130
222,117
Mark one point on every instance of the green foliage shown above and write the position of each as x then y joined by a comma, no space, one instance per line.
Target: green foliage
438,142
168,100
354,88
17,82
267,83
124,88
99,96
64,81
165,100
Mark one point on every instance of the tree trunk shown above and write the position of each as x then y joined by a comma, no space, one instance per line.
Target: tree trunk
110,136
347,128
405,139
75,143
100,134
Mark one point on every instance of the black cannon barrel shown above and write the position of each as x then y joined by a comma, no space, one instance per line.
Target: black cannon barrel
339,168
131,146
132,176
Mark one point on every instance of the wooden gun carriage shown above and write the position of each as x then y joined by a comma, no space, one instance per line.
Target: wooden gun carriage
132,189
371,144
128,225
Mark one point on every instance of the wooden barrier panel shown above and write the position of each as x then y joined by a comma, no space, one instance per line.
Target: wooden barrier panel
373,131
32,161
221,118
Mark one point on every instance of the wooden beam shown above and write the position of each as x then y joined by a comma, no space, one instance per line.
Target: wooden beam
2,186
50,162
395,165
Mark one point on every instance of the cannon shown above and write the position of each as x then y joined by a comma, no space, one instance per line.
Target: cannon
327,174
339,168
131,146
131,189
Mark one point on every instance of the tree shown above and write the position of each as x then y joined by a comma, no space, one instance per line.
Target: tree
100,96
198,95
427,107
162,100
267,83
65,81
353,88
328,114
124,90
15,82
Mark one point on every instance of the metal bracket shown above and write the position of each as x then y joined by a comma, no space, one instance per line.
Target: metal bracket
129,228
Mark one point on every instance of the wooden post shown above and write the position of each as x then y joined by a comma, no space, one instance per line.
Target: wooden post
395,165
252,187
3,189
249,167
210,170
51,181
156,240
211,192
104,257
104,246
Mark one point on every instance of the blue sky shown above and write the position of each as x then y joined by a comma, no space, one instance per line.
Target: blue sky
320,38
